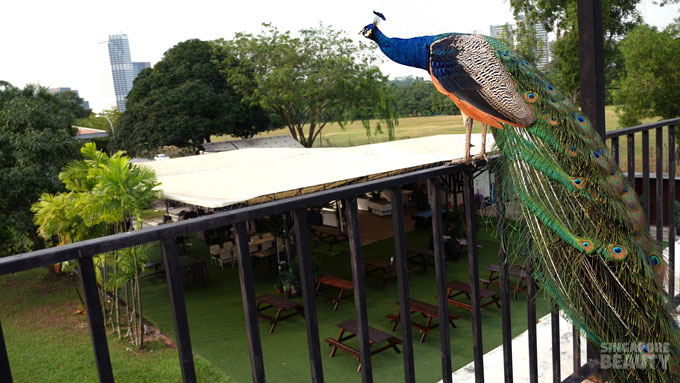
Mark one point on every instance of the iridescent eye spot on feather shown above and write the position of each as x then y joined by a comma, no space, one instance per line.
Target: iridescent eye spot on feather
617,252
552,120
554,103
586,246
530,97
603,151
578,182
596,154
571,150
644,349
655,261
551,89
581,121
597,198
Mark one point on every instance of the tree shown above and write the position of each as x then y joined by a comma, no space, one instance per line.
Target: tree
184,100
652,70
560,17
75,103
103,193
311,80
37,139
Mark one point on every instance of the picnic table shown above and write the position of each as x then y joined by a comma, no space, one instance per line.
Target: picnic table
327,235
521,276
428,311
330,281
456,288
281,305
421,257
379,269
375,336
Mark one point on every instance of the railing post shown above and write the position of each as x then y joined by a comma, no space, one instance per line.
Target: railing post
645,175
402,283
433,191
308,295
615,150
359,288
179,310
531,319
555,327
471,229
88,283
5,371
505,294
245,271
659,185
631,159
576,350
671,210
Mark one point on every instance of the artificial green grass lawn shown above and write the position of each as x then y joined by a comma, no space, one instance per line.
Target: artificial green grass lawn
218,334
47,342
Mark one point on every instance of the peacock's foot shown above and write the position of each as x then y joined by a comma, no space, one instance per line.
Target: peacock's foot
467,160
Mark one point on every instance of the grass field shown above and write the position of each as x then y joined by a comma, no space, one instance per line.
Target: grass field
47,341
412,127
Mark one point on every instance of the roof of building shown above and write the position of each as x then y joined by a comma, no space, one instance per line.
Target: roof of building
89,133
255,175
263,142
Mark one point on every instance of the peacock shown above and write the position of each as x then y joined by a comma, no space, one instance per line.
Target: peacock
590,249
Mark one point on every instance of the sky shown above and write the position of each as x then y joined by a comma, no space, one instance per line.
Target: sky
54,43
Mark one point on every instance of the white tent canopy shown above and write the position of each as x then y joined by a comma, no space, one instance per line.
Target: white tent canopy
262,174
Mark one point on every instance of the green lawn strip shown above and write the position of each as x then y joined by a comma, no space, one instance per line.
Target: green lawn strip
48,342
218,330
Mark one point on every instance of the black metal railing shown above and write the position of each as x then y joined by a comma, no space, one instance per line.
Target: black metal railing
166,234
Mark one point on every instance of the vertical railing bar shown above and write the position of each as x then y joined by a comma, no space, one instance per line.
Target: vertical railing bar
5,371
631,159
308,295
402,284
555,326
433,191
531,319
505,294
471,229
245,271
671,210
178,307
645,175
659,184
359,288
616,150
576,350
88,283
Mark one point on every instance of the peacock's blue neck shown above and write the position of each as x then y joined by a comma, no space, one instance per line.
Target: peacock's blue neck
413,52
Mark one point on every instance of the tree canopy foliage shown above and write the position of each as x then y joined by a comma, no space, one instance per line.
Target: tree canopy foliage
184,100
308,81
417,97
560,17
652,72
37,139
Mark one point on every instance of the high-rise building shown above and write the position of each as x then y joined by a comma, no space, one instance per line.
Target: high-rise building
85,104
117,71
500,31
543,57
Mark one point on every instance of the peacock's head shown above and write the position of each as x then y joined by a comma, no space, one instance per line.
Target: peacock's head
369,30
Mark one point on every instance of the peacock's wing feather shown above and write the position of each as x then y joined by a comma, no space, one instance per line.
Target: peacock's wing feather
590,248
465,67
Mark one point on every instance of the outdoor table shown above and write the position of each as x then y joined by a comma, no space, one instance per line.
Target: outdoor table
521,275
456,288
428,311
421,257
374,267
281,305
375,336
331,281
327,235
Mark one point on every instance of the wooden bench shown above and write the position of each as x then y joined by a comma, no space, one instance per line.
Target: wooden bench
331,281
281,305
375,337
421,257
327,235
456,288
521,275
156,266
374,267
428,311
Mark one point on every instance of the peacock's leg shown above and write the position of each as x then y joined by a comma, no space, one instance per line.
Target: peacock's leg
468,131
482,153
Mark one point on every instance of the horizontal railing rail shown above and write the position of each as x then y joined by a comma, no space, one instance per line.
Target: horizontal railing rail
166,234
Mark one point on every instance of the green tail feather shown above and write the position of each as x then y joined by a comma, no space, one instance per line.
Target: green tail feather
611,292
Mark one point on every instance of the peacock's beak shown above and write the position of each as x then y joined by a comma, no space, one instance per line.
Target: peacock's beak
366,32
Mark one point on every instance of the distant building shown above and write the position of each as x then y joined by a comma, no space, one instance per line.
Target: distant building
138,66
85,104
117,71
543,57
